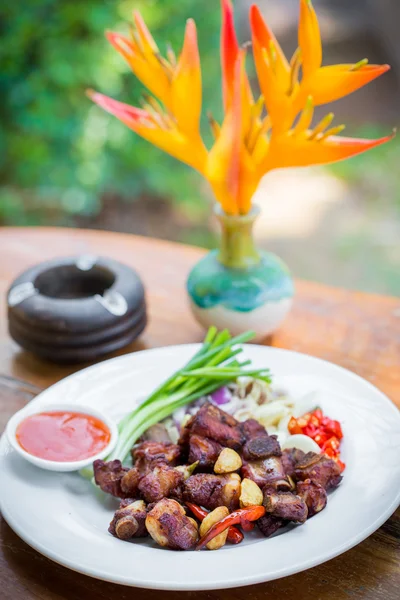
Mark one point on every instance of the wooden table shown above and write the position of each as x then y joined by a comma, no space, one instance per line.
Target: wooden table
358,331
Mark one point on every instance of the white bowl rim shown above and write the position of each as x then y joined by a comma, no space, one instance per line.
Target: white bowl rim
53,465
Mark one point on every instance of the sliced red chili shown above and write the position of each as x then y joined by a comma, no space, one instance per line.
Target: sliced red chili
332,443
335,428
234,535
199,512
320,438
294,427
319,414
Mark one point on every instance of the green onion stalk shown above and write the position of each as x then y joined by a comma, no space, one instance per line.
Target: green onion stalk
213,366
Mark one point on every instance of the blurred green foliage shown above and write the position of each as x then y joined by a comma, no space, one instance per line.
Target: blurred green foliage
58,152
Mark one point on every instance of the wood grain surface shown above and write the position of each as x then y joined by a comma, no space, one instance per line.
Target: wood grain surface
358,331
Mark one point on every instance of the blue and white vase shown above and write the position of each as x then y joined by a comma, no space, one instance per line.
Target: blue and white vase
237,286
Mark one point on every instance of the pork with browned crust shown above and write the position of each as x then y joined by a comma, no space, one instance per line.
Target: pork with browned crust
285,505
169,526
313,494
211,422
108,476
129,520
320,469
290,458
268,525
161,482
267,471
147,454
204,451
211,490
261,447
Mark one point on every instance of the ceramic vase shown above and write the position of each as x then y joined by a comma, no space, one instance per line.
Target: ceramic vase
237,286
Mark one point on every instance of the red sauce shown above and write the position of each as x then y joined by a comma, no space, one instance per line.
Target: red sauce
62,436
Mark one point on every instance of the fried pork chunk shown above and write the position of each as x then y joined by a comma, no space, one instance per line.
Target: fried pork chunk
211,422
210,490
108,476
161,482
204,451
320,469
313,494
261,447
169,526
290,458
258,443
129,520
285,505
267,471
269,524
252,429
147,454
122,482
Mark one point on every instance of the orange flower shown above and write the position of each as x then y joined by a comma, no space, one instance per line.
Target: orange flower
285,96
248,143
175,126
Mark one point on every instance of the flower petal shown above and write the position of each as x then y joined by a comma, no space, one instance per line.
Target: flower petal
331,83
147,41
223,164
309,38
229,52
140,121
277,101
298,151
186,84
151,75
130,115
265,38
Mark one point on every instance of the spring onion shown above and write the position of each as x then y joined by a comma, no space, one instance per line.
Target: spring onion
212,367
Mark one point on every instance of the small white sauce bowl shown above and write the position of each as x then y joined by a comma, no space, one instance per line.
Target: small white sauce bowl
53,465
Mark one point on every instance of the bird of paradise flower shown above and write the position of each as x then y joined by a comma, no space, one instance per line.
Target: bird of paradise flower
247,144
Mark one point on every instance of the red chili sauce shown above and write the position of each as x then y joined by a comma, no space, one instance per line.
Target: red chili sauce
63,436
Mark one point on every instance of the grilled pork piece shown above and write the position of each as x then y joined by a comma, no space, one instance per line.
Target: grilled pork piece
108,476
320,469
186,431
313,494
252,429
203,450
169,526
285,505
129,520
213,423
161,482
290,458
269,524
262,447
267,471
211,491
147,454
130,482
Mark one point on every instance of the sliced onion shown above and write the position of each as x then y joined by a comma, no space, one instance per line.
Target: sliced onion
221,396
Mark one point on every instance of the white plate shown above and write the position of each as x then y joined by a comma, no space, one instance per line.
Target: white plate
66,518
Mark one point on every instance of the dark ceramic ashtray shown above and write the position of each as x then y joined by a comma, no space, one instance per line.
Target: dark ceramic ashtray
76,309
